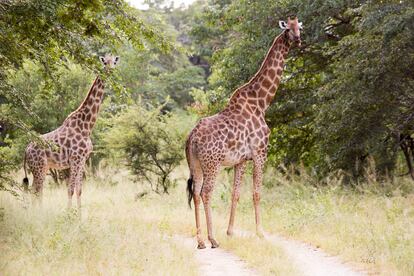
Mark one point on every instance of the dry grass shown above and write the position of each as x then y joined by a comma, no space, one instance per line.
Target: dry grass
265,258
371,226
172,215
111,238
116,234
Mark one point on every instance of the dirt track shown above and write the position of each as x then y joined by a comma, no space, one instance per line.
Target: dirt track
308,260
217,261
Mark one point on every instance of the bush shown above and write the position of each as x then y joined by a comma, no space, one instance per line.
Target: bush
151,143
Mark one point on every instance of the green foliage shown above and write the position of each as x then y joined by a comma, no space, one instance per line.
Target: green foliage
52,106
345,96
151,142
152,76
47,52
51,32
241,33
366,105
181,82
7,164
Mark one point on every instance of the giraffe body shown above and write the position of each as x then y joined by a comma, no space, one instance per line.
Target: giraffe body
226,139
236,135
70,144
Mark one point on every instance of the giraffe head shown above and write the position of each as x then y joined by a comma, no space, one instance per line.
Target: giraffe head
109,61
292,28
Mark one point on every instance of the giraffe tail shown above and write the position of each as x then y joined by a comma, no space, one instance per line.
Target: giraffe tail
25,179
190,190
190,180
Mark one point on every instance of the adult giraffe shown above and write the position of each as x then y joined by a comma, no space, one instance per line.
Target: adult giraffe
237,134
72,141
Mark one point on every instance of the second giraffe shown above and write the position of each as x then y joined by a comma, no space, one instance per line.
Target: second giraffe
72,141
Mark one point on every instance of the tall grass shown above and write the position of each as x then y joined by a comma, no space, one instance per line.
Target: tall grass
370,225
111,237
174,217
118,233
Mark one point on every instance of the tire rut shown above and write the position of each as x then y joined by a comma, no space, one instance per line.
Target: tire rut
216,262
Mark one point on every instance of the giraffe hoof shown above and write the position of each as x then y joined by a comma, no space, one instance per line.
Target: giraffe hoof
229,233
260,234
214,244
201,245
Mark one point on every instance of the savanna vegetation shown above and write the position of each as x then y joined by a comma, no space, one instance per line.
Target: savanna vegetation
340,166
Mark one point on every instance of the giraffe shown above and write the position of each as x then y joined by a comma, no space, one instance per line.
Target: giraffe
237,134
70,144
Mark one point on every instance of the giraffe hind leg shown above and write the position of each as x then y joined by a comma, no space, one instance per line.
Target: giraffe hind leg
209,179
37,162
39,175
196,190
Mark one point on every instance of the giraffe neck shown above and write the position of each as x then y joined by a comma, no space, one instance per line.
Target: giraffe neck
85,116
260,90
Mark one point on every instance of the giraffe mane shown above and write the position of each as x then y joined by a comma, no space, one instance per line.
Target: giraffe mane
235,93
84,100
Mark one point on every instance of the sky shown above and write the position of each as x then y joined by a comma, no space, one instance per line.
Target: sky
139,3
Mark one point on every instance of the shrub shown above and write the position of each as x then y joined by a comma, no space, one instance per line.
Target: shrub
151,143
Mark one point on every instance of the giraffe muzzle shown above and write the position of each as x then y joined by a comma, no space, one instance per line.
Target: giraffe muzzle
298,41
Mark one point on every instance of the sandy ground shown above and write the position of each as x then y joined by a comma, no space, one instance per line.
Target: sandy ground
216,262
309,260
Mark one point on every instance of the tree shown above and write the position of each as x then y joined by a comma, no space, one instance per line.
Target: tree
53,34
346,95
238,34
367,99
151,142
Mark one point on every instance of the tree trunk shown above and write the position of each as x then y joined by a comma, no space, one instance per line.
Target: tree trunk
407,149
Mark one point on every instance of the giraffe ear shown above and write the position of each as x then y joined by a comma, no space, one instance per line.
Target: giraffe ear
300,24
282,25
116,60
101,58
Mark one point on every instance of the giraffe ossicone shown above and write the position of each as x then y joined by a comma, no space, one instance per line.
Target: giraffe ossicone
70,144
237,134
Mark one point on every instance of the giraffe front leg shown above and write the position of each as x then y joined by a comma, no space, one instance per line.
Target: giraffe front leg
73,180
238,178
79,191
257,185
78,186
71,190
